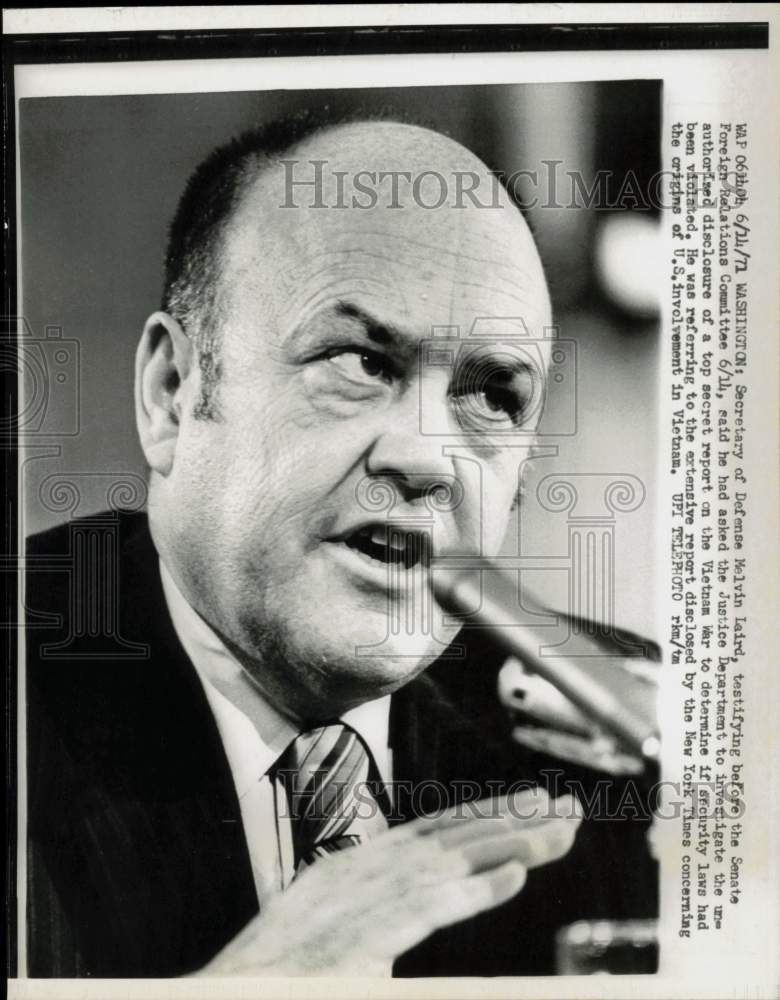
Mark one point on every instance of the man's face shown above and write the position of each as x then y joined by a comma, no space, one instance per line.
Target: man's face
332,424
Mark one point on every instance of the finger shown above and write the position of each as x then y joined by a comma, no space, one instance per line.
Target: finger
566,808
409,921
446,856
531,848
498,817
529,804
477,822
591,752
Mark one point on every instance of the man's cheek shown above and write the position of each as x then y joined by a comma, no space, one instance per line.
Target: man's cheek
283,502
497,509
307,468
482,509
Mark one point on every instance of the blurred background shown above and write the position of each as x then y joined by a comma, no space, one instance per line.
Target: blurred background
100,179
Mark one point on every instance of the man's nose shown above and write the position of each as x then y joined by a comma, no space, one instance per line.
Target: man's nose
415,462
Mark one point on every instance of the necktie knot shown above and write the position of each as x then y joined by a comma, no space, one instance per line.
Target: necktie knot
325,774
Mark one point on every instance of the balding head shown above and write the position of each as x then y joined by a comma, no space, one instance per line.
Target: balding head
294,188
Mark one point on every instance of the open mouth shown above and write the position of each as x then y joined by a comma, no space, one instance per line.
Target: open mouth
390,545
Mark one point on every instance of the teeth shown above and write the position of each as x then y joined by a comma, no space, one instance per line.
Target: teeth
392,539
389,544
396,540
378,535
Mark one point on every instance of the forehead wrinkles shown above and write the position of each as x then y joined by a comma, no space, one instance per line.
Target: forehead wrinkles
288,257
415,280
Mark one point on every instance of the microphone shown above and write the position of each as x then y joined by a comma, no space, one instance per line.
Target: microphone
617,697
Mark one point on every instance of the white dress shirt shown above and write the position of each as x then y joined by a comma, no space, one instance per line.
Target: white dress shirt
254,735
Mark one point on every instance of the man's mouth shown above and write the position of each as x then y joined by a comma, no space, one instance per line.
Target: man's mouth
390,545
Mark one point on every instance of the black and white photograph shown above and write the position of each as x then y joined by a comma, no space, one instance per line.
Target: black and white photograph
357,627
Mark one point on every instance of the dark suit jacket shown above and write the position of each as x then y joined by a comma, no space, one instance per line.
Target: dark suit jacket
137,862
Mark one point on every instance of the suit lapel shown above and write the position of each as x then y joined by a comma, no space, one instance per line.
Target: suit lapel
134,821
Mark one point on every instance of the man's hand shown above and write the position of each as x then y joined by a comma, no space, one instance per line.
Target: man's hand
354,912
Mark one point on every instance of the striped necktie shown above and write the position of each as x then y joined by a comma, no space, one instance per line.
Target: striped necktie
325,776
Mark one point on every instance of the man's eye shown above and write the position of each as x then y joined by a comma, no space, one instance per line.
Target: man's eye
500,400
361,365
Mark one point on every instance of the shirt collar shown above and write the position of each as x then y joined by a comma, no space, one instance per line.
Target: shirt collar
253,732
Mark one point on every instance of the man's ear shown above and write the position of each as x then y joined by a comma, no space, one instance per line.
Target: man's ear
164,360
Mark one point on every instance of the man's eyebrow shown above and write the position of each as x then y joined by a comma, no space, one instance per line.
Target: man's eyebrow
380,333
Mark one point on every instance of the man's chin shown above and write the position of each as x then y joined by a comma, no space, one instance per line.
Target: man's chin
392,661
357,671
336,650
